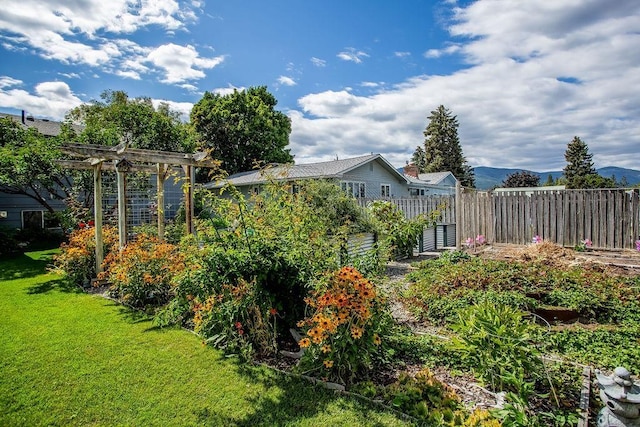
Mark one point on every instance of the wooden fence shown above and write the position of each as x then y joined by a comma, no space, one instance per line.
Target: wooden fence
608,217
412,207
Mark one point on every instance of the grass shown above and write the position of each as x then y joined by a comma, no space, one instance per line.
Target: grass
68,358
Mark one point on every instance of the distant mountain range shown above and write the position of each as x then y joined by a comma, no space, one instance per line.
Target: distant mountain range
487,178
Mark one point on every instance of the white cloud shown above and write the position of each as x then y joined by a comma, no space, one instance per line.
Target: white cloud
6,81
183,108
353,55
369,84
75,31
51,99
181,63
513,106
286,81
402,54
437,53
318,62
227,90
128,74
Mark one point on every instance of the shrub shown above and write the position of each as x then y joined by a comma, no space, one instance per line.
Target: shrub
236,319
77,257
396,232
496,342
345,328
141,273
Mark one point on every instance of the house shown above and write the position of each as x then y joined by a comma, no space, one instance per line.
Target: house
429,184
367,177
46,127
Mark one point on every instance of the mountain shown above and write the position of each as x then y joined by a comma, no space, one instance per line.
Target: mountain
487,178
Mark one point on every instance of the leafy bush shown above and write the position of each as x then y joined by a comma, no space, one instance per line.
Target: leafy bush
396,232
141,273
496,342
77,257
234,318
345,327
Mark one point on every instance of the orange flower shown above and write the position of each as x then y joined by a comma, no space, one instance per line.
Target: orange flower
318,339
304,343
326,348
273,311
328,364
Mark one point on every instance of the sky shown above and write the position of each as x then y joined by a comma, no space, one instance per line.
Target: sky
523,77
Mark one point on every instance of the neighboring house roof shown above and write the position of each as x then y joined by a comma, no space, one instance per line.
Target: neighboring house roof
44,126
329,169
435,178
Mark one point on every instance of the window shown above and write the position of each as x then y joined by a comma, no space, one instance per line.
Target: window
32,220
385,190
355,189
416,191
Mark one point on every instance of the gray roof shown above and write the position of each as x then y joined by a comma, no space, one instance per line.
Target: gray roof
434,178
329,169
44,126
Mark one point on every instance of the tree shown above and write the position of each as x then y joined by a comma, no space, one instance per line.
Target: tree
27,164
117,116
579,172
521,179
242,129
550,181
442,151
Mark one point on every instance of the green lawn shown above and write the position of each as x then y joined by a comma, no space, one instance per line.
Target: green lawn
68,358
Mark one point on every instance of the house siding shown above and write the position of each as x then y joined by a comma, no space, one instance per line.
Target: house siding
15,204
374,175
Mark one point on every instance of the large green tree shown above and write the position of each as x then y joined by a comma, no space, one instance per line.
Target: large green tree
117,116
442,151
521,179
580,172
242,128
27,164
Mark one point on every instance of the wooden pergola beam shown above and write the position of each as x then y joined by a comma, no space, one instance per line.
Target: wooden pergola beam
137,155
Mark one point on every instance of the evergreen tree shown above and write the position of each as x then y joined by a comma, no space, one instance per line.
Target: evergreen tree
579,172
549,181
579,163
442,151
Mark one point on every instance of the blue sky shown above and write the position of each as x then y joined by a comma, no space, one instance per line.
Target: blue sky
523,77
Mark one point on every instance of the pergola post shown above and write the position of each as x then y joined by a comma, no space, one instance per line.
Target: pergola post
97,214
160,177
122,169
188,196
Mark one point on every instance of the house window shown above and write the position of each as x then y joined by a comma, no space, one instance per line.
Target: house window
416,191
255,190
32,220
385,190
355,189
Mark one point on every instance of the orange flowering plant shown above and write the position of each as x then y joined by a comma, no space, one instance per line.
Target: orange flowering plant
345,329
141,273
77,257
234,318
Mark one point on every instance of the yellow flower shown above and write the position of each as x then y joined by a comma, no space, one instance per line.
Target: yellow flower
376,339
326,348
356,332
328,364
304,343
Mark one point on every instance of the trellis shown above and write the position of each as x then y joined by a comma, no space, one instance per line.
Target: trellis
123,160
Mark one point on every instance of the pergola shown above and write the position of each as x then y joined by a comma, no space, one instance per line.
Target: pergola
122,160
